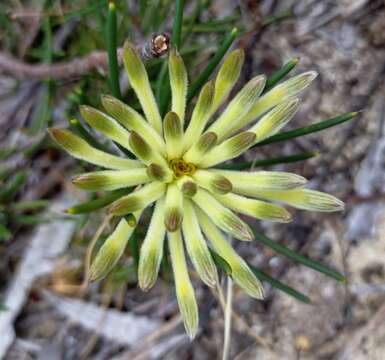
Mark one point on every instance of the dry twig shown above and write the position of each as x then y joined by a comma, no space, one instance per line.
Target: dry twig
157,46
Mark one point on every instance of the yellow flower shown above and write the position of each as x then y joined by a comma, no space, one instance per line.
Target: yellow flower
174,168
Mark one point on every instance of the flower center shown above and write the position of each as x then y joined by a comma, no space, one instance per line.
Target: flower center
181,167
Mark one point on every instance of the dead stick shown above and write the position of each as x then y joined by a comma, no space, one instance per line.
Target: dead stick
157,46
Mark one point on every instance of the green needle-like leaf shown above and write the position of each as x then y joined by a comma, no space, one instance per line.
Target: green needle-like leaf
5,234
313,264
134,249
98,203
322,125
210,67
269,162
112,51
279,285
221,262
79,129
9,191
177,26
262,276
280,74
268,20
29,205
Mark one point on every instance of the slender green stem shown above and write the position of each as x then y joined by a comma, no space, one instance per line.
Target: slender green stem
322,125
177,26
210,67
313,264
112,51
270,162
280,74
98,203
279,285
228,316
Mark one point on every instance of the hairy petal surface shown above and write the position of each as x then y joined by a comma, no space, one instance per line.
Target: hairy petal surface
197,248
80,149
138,199
227,76
173,212
305,199
223,217
173,135
229,149
179,83
132,120
282,92
239,106
106,125
240,272
112,250
111,179
244,181
200,116
275,119
138,78
212,181
151,251
183,287
255,208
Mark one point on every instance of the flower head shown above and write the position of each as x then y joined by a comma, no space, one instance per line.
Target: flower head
174,167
